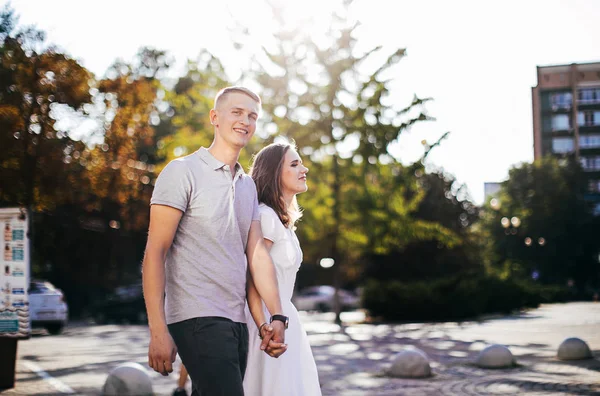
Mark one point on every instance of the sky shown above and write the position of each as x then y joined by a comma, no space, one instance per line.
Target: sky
476,59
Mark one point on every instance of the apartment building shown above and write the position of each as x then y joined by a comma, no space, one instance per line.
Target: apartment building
566,118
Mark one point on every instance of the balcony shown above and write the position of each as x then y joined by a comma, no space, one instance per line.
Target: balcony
588,97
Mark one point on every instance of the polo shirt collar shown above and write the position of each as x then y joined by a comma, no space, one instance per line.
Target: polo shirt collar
214,163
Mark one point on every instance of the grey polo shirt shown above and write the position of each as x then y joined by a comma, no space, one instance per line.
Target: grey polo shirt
206,264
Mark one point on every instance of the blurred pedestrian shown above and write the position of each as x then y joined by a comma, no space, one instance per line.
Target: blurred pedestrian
181,381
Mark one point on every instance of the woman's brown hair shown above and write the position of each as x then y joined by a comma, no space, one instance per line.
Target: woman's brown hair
266,173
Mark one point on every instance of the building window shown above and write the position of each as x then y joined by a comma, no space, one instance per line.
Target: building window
596,210
590,164
588,96
562,100
562,145
594,186
588,118
589,141
561,122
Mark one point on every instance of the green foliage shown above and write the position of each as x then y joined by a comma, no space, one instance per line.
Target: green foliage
446,248
459,297
186,126
557,234
362,205
323,97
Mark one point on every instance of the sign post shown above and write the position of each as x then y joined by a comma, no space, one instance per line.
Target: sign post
14,283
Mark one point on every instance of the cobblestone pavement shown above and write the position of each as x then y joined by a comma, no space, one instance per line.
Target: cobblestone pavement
352,360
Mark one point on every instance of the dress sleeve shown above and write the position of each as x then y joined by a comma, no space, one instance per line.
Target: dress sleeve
270,224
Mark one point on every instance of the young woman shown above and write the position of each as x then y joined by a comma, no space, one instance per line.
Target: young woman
279,175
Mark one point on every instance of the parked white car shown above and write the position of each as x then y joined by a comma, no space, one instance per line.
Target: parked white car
320,298
47,306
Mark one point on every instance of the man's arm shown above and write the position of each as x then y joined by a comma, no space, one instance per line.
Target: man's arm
264,277
164,221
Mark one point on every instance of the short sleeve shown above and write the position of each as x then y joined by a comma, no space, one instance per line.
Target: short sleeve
270,223
173,186
255,210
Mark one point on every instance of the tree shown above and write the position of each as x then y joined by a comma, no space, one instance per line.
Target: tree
542,227
37,85
90,193
340,117
121,168
186,126
447,216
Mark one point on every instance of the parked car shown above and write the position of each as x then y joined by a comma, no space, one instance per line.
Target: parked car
124,305
47,306
320,298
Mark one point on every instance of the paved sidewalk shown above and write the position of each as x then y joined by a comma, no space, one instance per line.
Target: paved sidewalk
352,360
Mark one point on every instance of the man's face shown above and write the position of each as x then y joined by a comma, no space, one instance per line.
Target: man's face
235,118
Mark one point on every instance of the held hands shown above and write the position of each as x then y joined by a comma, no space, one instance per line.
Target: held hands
162,352
273,339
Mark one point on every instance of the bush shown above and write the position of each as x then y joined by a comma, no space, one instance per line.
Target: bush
459,297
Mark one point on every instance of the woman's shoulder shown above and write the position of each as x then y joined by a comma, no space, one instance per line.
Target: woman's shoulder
272,226
268,213
266,210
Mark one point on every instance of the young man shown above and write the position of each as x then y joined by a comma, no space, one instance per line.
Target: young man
204,227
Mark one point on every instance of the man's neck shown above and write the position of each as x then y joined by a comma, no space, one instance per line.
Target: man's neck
225,154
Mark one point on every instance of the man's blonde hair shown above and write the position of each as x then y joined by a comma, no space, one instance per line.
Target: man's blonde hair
222,94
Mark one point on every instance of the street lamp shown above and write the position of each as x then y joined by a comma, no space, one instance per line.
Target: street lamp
495,203
511,227
327,262
529,242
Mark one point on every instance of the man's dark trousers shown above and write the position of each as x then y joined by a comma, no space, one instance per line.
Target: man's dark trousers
214,351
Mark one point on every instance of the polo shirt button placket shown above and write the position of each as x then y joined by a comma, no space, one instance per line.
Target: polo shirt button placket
233,180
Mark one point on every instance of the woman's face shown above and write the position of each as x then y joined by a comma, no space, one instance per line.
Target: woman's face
293,174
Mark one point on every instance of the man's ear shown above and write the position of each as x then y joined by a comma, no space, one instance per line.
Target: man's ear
213,117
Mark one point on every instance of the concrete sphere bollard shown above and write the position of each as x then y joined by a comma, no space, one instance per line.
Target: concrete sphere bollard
410,363
495,356
574,349
128,379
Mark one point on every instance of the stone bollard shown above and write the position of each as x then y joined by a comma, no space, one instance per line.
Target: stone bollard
495,356
410,363
128,379
574,349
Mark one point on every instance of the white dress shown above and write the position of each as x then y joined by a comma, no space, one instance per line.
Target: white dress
294,373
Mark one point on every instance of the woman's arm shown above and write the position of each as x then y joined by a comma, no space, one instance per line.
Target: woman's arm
254,301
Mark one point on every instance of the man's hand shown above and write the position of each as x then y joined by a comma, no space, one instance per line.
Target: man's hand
162,352
273,339
164,221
